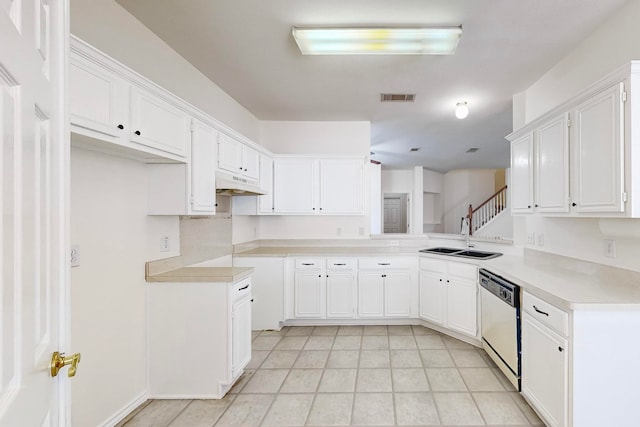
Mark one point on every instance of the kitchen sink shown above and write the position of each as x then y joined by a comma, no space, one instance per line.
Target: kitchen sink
462,253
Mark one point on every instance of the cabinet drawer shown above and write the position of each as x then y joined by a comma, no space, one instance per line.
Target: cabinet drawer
341,264
546,313
241,289
308,263
383,264
431,265
463,271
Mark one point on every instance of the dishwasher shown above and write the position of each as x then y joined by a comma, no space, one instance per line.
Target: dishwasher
500,319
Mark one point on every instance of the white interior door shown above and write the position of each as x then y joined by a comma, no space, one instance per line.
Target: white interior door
392,218
34,149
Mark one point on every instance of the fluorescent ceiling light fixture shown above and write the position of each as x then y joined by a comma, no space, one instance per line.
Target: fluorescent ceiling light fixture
462,110
377,40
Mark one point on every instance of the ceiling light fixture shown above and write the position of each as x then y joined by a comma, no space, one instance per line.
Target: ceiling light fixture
462,110
377,40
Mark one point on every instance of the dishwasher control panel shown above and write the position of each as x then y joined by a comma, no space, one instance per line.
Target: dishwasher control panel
500,287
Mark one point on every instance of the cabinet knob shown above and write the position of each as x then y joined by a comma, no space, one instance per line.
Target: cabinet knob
120,126
560,349
447,281
240,167
528,206
535,206
245,170
319,275
251,299
314,209
441,280
574,204
216,205
137,132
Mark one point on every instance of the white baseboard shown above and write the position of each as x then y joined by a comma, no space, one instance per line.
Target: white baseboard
185,396
126,410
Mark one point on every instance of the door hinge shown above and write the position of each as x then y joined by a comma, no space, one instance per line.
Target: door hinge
568,123
624,196
191,199
623,96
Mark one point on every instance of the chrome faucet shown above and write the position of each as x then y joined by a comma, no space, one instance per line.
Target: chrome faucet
465,232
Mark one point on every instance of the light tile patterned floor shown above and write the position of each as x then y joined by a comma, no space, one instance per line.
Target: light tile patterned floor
355,375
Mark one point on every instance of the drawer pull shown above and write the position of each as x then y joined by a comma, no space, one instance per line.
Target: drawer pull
540,311
243,288
384,263
308,263
339,264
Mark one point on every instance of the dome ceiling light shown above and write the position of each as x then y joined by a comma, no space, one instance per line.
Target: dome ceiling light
462,110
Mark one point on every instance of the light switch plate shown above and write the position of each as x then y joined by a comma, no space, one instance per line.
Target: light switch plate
74,258
165,244
540,241
610,248
531,238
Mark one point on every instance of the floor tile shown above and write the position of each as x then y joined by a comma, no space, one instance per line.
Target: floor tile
422,330
304,331
528,412
457,409
246,410
325,330
264,343
331,410
350,330
372,380
347,343
311,359
375,330
158,413
405,359
273,333
202,413
257,357
319,343
416,409
343,359
453,343
487,358
508,385
411,379
498,408
399,330
480,379
467,359
430,342
401,342
375,342
242,381
374,359
445,379
301,381
436,359
288,410
373,409
280,359
291,343
266,381
338,381
254,335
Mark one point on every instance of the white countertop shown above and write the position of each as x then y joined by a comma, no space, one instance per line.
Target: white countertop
202,274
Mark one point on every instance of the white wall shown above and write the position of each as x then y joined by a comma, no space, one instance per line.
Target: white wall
375,174
397,181
108,290
339,138
109,27
610,46
462,188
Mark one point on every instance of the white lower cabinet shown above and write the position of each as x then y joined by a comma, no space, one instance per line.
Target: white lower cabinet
370,294
449,295
340,294
199,338
386,288
309,294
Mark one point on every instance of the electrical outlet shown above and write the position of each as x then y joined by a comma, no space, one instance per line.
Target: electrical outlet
75,256
610,248
540,241
531,238
165,244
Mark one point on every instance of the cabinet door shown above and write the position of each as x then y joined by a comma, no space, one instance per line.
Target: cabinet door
308,294
522,175
597,147
157,124
295,183
229,154
341,186
552,166
203,169
265,203
462,306
241,335
433,297
250,163
370,294
340,294
97,99
545,371
397,294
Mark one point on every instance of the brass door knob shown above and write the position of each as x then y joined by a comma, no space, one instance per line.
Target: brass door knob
59,360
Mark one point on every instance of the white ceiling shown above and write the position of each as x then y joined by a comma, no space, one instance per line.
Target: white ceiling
246,48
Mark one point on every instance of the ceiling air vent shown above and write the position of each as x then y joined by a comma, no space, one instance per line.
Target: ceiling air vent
472,150
397,97
414,149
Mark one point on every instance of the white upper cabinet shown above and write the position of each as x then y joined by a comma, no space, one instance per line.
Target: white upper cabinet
552,166
326,186
265,203
341,186
97,99
238,158
203,176
598,153
295,185
250,163
157,124
522,174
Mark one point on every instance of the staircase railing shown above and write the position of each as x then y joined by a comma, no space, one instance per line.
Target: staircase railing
487,210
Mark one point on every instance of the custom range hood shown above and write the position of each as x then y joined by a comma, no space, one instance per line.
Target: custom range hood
230,185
